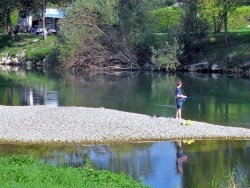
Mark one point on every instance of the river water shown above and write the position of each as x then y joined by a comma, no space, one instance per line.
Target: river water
218,99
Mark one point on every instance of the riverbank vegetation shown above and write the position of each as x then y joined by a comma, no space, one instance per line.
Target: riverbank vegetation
127,38
234,56
129,35
33,46
22,171
231,180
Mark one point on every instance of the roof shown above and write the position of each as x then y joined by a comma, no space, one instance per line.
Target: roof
54,13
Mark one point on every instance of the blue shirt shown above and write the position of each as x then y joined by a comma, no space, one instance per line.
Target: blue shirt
178,92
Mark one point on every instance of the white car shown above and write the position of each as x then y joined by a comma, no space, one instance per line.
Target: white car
37,30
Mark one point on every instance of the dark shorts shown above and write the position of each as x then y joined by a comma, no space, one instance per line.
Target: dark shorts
179,103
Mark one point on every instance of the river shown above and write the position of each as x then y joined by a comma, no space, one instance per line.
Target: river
212,98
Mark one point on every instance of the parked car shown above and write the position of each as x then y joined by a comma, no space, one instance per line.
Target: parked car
37,30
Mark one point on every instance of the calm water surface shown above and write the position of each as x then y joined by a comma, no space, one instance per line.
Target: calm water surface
217,99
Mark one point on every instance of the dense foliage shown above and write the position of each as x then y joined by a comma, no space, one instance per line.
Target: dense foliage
21,171
240,19
117,34
166,18
167,57
120,34
109,34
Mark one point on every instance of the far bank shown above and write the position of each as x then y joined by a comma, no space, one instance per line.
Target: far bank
31,52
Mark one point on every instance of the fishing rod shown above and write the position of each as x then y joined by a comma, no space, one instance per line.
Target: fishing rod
207,98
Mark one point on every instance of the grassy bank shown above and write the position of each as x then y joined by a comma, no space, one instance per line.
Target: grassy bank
20,171
34,46
214,49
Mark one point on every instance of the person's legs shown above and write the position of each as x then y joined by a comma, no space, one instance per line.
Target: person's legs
178,113
178,110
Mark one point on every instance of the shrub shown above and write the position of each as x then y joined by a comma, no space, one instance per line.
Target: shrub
38,53
167,56
21,171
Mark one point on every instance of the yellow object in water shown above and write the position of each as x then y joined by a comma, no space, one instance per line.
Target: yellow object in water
188,122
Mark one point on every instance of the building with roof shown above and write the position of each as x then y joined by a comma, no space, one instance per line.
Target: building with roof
28,22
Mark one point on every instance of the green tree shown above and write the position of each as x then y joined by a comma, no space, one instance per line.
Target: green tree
229,6
166,18
107,34
219,12
6,8
211,10
193,28
136,26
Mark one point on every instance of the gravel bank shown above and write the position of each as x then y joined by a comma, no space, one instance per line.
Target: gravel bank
41,124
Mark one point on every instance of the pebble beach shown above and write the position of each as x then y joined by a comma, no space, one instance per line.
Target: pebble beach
87,126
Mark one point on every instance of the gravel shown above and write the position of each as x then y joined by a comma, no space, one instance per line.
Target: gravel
80,125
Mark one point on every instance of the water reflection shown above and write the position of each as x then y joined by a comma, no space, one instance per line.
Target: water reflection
27,89
156,164
181,156
212,98
37,96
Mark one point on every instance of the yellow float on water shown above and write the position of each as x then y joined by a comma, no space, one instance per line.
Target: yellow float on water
188,141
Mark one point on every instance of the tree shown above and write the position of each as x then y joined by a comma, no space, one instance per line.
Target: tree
6,7
84,33
105,34
228,7
211,11
165,19
193,29
220,11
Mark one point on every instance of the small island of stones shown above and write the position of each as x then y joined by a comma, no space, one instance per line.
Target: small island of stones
88,126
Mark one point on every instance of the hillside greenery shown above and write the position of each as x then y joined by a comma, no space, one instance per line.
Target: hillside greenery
118,34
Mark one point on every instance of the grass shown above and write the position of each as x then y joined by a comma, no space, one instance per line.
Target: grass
24,42
23,171
231,180
214,49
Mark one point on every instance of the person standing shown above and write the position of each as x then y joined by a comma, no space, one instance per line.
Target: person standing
179,99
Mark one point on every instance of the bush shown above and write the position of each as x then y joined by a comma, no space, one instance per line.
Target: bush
21,171
167,56
38,53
